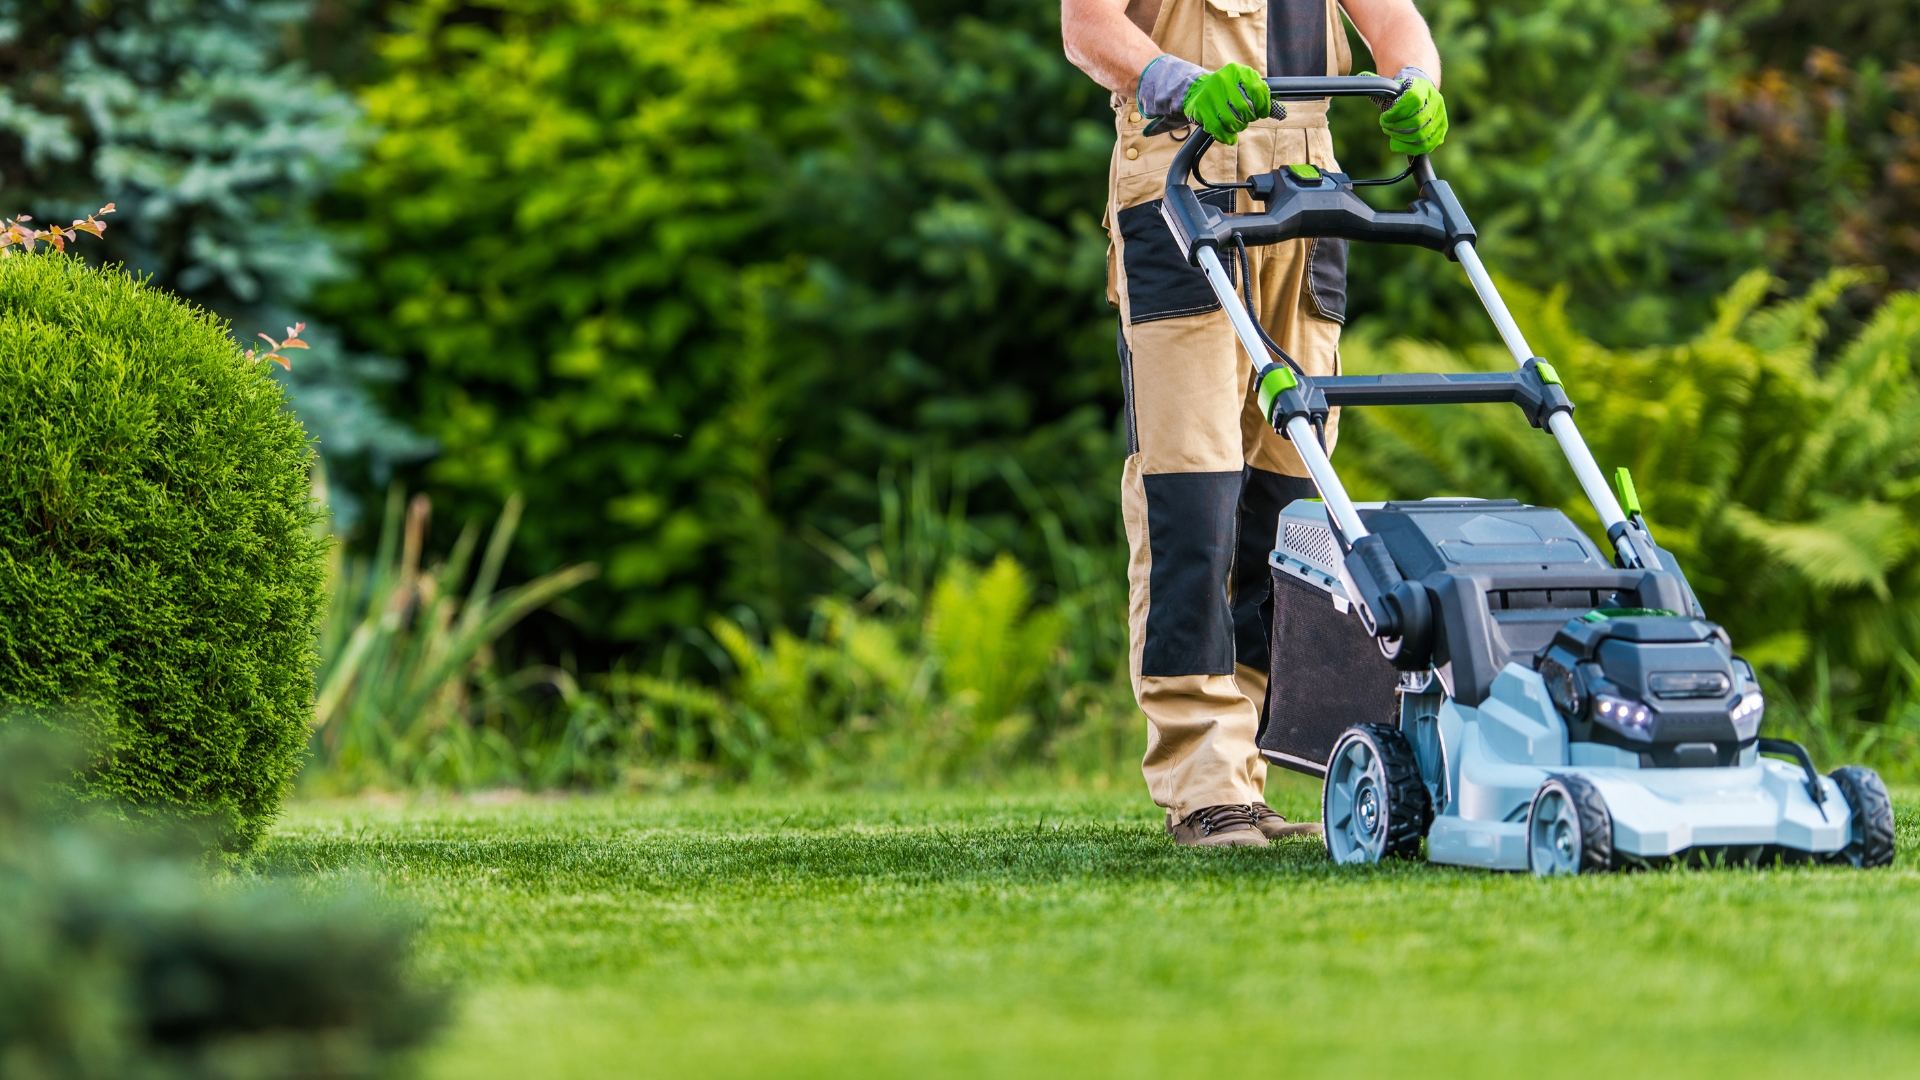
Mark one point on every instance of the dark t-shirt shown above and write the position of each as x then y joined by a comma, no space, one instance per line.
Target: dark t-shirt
1296,37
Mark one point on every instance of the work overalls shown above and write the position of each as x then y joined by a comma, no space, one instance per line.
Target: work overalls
1206,476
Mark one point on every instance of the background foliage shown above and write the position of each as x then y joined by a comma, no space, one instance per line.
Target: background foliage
215,144
691,276
780,314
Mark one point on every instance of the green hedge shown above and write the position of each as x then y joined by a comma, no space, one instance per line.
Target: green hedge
691,275
160,580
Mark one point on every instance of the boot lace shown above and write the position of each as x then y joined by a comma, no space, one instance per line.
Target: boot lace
1213,819
1261,810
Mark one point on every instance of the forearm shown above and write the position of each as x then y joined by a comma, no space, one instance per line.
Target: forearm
1101,40
1396,35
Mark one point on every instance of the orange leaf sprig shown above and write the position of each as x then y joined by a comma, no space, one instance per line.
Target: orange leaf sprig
17,232
273,353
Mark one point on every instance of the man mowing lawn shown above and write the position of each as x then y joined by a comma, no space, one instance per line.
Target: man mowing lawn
1206,476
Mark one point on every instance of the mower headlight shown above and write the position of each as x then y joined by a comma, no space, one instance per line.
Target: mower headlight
1629,718
1747,712
1751,705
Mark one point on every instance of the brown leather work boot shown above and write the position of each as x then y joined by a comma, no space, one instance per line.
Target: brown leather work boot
1274,827
1216,826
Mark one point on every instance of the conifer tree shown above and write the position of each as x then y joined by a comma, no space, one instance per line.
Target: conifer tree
214,144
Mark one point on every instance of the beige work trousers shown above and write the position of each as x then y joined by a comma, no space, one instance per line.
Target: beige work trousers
1205,476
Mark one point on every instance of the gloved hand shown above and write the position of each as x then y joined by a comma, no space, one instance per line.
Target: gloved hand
1416,121
1226,101
1173,92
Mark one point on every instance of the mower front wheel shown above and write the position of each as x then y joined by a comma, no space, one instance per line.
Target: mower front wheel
1569,830
1870,827
1374,805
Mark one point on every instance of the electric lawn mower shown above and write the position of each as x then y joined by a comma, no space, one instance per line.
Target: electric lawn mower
1480,673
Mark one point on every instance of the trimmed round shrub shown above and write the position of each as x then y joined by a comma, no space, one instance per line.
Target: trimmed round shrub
161,578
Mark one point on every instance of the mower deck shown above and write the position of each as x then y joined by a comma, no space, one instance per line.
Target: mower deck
1506,749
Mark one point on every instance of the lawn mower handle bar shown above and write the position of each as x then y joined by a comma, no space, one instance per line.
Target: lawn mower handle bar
1435,221
1314,87
1592,482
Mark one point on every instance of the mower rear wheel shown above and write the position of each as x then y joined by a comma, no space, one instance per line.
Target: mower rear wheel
1569,830
1374,805
1870,827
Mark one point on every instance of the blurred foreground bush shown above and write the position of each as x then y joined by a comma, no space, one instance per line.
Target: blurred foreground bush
119,961
1785,478
160,581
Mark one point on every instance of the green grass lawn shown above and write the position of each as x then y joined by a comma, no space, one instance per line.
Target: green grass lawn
1048,934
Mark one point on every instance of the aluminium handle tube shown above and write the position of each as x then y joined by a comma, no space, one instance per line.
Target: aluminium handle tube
1565,431
1332,491
1516,342
1304,439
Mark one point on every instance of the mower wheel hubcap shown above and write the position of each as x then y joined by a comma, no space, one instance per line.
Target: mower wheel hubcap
1369,809
1356,809
1556,835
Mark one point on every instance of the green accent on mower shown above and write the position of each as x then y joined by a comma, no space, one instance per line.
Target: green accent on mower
1603,614
1275,382
1629,498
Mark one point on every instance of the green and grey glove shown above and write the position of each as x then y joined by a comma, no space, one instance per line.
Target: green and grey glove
1174,92
1416,120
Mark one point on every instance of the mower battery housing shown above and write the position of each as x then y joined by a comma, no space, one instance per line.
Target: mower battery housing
1664,687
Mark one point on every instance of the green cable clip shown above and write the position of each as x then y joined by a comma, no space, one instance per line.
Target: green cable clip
1629,498
1278,379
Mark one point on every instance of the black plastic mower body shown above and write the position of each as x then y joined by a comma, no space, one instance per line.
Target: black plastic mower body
1503,578
1506,583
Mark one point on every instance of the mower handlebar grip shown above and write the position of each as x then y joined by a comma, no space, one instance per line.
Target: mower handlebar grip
1309,87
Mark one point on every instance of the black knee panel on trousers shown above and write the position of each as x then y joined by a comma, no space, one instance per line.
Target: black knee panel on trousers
1190,519
1263,495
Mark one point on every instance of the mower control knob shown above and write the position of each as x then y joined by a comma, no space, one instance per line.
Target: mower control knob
1411,612
1395,611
